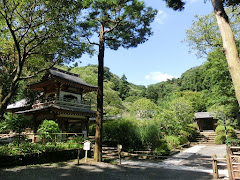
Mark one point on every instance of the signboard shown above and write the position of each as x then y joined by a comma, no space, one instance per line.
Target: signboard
86,145
119,146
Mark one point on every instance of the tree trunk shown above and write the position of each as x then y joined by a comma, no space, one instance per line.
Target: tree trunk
99,118
6,99
229,45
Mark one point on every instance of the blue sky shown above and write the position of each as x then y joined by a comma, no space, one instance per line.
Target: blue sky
164,55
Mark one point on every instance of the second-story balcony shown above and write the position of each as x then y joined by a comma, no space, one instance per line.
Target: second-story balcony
63,102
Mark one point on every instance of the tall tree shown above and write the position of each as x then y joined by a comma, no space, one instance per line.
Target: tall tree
35,35
116,23
229,45
123,87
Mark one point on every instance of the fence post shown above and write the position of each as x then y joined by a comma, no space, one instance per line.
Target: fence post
119,147
229,166
78,156
215,168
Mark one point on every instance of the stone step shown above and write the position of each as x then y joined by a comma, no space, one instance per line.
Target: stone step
205,138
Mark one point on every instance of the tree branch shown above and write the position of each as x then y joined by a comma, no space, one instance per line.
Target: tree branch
112,28
93,43
40,71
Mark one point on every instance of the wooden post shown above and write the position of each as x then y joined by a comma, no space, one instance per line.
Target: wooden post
229,165
78,156
86,156
215,168
119,147
120,161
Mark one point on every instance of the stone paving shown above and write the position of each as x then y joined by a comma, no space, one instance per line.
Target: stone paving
196,159
190,164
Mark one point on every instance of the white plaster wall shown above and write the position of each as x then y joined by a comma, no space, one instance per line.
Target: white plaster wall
62,93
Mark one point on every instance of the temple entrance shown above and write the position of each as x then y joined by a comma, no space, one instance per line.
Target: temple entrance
205,121
207,124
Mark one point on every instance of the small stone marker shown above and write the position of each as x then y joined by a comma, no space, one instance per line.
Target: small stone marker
86,147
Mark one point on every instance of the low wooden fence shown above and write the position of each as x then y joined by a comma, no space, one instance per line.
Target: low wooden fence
232,162
35,137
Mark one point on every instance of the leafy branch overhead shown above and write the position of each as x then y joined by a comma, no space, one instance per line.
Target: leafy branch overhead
126,23
34,36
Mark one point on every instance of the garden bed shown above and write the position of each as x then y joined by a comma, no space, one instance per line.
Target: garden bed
39,158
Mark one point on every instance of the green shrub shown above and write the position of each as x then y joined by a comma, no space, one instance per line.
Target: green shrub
189,131
47,128
92,130
173,141
149,133
4,128
162,150
78,139
122,131
4,151
220,130
220,139
182,140
234,142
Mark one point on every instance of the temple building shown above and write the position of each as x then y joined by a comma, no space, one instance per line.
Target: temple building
62,101
205,121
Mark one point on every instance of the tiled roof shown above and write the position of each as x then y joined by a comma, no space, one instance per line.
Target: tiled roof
201,115
69,76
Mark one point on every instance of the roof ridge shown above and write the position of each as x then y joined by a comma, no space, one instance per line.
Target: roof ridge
66,72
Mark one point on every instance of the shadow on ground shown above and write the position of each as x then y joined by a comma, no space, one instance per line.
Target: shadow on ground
96,171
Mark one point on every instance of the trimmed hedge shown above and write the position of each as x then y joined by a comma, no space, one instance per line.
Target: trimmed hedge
220,131
220,139
230,131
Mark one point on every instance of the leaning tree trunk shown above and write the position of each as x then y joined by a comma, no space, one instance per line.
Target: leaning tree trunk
98,135
229,45
4,101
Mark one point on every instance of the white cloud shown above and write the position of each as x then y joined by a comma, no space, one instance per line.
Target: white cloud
158,76
161,16
193,1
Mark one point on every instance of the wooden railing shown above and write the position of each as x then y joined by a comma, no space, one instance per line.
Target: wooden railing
67,102
35,136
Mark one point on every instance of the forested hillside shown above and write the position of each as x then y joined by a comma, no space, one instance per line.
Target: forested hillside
207,87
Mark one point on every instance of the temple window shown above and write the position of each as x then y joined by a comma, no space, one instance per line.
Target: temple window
70,98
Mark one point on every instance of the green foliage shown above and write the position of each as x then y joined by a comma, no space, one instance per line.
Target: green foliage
162,150
176,117
28,148
48,127
126,23
122,131
150,133
220,139
220,130
17,123
92,129
34,36
112,102
4,128
144,108
193,79
173,141
123,88
234,141
189,131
